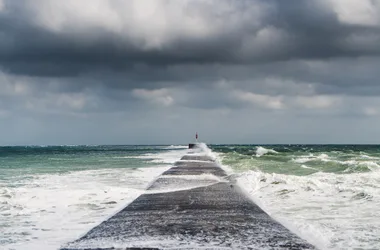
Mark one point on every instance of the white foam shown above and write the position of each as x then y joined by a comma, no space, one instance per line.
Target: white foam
260,151
202,150
352,164
331,211
169,157
322,208
46,211
371,165
52,209
366,156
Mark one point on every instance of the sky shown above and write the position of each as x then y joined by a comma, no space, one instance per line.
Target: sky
157,71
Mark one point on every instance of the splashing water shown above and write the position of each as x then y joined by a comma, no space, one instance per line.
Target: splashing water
52,195
328,195
260,151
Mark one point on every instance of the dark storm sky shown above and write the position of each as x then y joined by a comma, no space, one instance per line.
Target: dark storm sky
154,72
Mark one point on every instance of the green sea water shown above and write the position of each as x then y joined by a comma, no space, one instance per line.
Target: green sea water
53,194
24,160
301,159
328,194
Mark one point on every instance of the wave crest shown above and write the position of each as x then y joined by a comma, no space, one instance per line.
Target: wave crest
260,151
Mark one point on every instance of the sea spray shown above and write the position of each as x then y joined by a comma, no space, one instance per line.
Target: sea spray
52,195
203,149
327,195
331,199
260,151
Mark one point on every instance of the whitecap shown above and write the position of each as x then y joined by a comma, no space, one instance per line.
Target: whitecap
260,151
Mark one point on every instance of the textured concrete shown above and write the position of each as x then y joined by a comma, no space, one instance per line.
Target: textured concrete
204,212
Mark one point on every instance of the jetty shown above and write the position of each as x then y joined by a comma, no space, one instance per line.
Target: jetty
193,205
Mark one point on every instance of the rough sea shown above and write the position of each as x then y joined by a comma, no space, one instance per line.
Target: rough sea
327,194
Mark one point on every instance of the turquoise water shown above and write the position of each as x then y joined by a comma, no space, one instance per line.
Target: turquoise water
328,194
61,159
51,195
301,159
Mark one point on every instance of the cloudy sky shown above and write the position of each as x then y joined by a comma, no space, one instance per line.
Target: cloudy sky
156,71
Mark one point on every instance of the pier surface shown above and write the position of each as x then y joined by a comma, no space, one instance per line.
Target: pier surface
205,211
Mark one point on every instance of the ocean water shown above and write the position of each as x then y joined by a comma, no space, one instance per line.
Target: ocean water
52,195
327,194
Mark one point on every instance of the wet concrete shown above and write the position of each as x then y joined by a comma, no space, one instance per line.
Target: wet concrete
204,212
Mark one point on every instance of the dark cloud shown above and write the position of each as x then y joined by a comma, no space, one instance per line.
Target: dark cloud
227,32
269,70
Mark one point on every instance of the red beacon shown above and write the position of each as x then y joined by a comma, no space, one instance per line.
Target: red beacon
193,145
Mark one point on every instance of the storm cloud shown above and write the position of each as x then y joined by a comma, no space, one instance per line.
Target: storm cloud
114,71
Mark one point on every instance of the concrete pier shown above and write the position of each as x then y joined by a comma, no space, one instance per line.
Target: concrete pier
206,211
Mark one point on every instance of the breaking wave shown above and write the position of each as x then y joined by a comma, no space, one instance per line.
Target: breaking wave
316,195
260,151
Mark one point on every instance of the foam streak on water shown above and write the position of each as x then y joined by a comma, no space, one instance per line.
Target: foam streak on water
330,198
333,212
329,195
45,210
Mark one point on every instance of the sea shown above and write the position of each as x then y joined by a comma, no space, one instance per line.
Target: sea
327,194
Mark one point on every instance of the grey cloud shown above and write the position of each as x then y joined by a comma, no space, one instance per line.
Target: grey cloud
269,70
235,34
